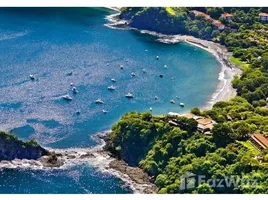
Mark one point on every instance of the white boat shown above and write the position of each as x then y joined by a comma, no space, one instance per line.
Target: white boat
74,90
129,95
172,101
71,84
157,57
111,87
67,97
156,98
181,104
143,70
133,74
177,97
32,77
99,101
121,66
165,66
151,109
104,111
113,80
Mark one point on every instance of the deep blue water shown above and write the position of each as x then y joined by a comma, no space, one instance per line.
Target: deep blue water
51,42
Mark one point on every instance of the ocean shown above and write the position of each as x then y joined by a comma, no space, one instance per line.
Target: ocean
73,47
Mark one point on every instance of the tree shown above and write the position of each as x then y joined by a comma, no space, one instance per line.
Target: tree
203,189
222,134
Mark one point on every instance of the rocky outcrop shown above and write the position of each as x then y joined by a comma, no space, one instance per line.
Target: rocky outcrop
136,174
12,148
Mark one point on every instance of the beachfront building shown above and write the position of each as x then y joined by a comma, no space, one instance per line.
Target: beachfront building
263,17
198,13
218,24
227,16
259,141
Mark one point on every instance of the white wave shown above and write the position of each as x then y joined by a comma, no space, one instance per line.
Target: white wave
72,157
12,35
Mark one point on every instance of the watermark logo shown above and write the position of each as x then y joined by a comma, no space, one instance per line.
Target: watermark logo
190,181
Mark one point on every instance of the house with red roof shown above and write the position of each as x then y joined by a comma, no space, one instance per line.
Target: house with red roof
263,17
227,16
218,24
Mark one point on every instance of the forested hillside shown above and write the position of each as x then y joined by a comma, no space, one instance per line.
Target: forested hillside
166,152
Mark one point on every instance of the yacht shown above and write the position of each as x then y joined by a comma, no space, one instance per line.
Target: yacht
177,97
111,87
99,101
165,66
113,80
143,70
121,66
181,104
74,90
172,101
156,98
71,84
151,109
157,57
133,74
104,111
67,97
129,95
69,73
32,77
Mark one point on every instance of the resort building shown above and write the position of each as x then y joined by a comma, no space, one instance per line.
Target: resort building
227,16
263,17
218,24
204,125
259,141
198,13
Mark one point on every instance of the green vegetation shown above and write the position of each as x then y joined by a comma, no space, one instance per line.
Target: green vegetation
11,147
166,152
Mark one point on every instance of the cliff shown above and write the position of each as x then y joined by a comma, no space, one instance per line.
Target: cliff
11,148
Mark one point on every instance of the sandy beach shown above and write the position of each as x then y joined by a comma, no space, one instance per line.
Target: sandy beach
224,90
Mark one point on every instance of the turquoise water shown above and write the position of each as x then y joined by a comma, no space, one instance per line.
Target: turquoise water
51,42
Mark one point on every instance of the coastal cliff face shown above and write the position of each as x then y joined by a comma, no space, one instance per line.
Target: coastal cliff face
11,148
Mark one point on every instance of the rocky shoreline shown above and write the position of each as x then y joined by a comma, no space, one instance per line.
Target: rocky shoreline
98,157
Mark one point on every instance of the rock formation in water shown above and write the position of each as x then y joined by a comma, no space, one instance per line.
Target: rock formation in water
11,148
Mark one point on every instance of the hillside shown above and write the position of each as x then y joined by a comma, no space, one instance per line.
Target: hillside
167,151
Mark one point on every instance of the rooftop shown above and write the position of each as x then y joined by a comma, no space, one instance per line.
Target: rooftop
260,139
200,13
205,121
226,15
263,14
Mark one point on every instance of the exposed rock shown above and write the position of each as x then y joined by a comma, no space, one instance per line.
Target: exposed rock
87,155
11,148
136,174
51,161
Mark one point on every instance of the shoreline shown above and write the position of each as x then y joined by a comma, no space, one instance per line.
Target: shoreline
224,90
97,157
